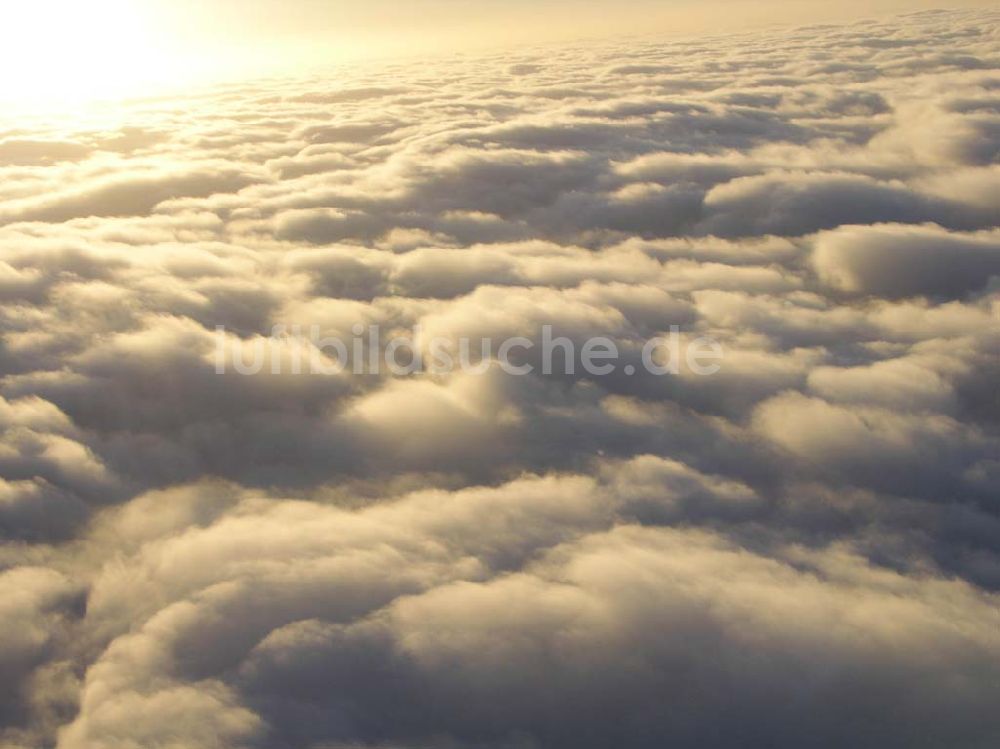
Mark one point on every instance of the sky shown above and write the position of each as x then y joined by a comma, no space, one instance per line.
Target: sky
70,51
253,494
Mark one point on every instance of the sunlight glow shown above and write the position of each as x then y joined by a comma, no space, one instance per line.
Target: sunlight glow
66,51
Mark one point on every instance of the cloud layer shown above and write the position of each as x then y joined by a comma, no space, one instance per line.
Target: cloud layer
799,549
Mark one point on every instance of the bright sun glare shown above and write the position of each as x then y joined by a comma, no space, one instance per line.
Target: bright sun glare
63,52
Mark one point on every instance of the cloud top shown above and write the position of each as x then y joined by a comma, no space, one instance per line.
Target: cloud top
798,549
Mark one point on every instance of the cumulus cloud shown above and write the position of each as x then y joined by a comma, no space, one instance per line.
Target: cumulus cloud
897,261
800,548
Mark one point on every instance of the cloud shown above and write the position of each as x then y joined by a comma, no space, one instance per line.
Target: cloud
449,660
896,261
794,204
24,152
798,549
135,194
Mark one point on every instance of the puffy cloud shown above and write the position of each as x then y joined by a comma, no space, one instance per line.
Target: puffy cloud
896,261
911,453
22,152
458,658
127,194
794,204
38,607
449,659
